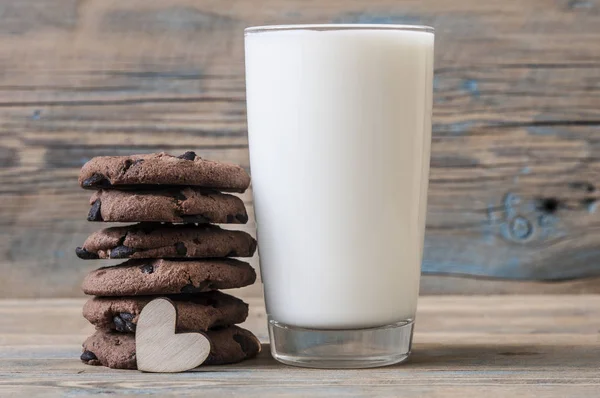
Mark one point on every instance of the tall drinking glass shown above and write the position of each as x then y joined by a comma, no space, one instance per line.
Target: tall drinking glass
339,121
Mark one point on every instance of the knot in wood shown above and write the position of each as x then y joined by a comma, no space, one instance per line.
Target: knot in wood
520,228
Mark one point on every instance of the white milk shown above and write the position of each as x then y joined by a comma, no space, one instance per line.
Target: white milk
339,130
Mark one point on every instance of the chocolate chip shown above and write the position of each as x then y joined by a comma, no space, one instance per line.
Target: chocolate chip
85,255
181,249
130,326
246,344
119,323
88,356
229,218
189,155
147,269
94,214
126,316
194,219
232,253
121,252
123,322
96,180
127,165
242,218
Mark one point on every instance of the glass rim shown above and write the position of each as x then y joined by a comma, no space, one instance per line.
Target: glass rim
333,27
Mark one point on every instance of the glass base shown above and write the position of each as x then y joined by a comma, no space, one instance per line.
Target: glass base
341,349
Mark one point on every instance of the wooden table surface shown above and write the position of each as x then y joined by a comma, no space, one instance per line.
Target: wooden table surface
525,346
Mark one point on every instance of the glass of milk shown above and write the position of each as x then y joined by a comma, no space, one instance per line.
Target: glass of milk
339,120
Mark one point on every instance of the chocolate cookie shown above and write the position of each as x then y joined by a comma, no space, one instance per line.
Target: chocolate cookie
146,240
117,350
189,205
162,169
197,312
151,277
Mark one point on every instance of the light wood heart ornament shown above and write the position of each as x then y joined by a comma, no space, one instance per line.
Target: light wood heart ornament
159,349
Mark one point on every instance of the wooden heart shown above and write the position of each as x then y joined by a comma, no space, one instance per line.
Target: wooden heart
159,348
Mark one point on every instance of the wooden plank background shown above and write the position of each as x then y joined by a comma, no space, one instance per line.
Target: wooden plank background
516,147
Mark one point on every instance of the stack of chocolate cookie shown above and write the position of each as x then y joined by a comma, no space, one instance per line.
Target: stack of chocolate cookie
172,251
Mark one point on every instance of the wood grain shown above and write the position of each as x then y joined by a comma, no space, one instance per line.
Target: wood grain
514,177
526,346
158,349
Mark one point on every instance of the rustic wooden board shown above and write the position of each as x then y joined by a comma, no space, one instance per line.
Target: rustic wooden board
526,346
515,155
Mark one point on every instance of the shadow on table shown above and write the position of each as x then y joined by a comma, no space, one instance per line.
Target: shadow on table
464,356
504,355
